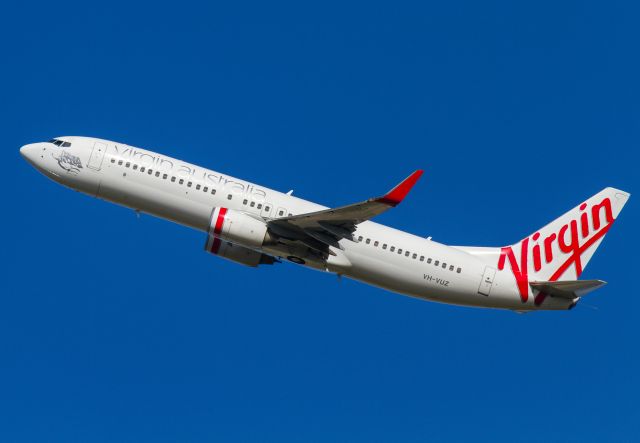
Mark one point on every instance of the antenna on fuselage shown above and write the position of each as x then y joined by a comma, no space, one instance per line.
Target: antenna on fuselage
290,192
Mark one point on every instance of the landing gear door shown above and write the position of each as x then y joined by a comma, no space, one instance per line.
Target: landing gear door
487,281
97,155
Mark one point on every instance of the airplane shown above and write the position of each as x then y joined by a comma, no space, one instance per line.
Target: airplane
253,225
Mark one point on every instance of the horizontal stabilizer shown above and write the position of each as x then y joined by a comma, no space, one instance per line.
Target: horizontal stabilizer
568,289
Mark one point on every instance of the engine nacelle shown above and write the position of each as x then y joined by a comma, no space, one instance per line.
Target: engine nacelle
237,227
233,235
238,254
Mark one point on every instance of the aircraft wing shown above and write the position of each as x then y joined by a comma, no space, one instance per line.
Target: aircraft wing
321,229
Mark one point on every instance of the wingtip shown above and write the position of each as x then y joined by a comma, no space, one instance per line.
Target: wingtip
397,194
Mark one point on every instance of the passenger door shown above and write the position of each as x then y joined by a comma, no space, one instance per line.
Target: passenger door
97,155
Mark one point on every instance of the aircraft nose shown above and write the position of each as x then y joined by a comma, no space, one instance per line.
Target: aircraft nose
28,152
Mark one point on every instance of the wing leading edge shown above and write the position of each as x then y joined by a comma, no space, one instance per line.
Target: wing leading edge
325,228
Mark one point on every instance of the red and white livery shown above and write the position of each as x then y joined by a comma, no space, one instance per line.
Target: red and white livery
254,225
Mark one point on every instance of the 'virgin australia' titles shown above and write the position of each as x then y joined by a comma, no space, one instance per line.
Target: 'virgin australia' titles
184,170
253,225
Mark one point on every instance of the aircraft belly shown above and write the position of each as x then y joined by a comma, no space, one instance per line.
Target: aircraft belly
157,202
386,275
430,283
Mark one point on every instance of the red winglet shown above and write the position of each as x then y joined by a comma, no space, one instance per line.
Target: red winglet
397,194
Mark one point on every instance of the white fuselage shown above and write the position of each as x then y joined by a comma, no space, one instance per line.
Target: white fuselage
187,194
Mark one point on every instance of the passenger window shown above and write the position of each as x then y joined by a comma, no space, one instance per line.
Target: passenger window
135,167
451,267
368,241
384,246
198,187
414,256
113,160
142,168
459,270
375,244
280,213
436,263
164,176
245,201
181,181
360,239
252,204
213,191
406,254
422,258
259,205
266,208
173,179
205,189
127,165
393,248
429,261
119,162
400,251
444,266
157,173
188,184
150,171
229,197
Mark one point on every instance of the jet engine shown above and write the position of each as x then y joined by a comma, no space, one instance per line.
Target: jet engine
238,254
233,235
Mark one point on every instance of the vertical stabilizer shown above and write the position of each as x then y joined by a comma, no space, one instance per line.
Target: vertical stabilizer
561,250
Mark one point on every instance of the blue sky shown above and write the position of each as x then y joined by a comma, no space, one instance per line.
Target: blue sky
114,328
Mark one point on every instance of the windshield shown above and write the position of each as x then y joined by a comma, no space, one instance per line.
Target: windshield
61,143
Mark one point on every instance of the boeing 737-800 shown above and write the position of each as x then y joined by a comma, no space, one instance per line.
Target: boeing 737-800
254,225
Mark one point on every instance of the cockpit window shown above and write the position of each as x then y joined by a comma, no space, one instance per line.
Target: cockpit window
61,143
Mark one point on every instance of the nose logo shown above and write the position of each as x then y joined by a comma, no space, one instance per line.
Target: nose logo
68,162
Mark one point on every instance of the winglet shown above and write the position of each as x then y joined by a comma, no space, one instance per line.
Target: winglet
397,194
